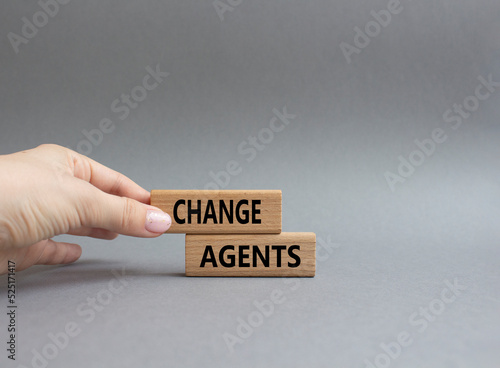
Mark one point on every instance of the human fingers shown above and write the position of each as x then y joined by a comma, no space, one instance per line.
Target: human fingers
43,252
108,180
93,233
53,253
121,215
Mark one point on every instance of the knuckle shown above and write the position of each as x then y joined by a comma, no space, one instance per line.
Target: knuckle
118,184
129,213
49,252
54,151
11,235
49,146
87,212
4,238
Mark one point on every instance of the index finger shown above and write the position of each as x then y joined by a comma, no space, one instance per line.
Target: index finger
108,180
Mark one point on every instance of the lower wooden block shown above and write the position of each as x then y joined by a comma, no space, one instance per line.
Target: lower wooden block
285,254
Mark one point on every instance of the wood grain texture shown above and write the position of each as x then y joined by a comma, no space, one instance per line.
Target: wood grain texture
236,255
221,211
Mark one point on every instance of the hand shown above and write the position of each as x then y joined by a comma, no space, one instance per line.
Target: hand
51,190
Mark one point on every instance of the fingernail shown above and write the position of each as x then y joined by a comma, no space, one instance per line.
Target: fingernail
157,221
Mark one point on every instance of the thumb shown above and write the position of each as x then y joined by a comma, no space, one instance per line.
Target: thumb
124,215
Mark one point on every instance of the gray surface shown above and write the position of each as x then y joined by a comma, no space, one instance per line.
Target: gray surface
392,251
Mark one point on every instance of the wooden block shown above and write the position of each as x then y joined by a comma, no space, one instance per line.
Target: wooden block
285,254
221,211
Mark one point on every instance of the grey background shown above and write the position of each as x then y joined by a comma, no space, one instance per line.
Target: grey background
391,251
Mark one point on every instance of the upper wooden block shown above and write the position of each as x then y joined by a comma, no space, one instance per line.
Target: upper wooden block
221,211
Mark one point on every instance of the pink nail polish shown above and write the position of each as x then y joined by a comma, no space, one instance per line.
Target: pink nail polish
157,221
